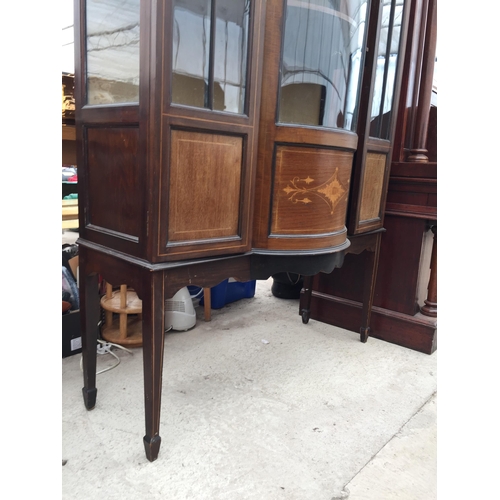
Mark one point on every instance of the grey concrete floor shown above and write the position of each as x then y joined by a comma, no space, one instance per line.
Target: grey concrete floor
257,405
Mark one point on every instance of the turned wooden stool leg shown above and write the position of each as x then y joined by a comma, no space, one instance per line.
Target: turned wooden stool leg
207,299
123,315
306,310
109,314
153,333
369,288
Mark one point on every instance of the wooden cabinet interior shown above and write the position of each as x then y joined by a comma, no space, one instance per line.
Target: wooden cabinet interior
232,154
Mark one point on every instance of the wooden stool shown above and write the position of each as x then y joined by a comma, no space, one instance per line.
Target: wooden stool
122,330
207,298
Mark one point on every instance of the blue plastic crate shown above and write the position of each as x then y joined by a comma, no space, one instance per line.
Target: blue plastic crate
230,291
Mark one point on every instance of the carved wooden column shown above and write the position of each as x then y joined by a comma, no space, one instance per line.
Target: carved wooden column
430,308
418,151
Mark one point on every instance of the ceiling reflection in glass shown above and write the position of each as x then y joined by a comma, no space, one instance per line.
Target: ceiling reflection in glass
209,54
323,52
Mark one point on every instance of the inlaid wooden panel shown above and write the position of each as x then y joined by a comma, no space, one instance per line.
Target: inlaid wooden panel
373,183
205,186
113,179
311,188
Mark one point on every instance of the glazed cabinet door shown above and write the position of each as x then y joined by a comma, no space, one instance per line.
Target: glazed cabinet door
108,41
204,122
314,55
378,111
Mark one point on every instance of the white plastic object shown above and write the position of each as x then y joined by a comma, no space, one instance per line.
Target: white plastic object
179,311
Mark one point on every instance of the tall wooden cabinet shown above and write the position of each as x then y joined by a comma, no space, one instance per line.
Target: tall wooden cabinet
215,139
233,138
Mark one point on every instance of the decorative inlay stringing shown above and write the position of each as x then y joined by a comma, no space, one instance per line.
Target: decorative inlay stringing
330,192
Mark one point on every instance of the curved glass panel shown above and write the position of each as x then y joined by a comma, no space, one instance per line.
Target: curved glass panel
209,55
323,51
112,39
385,72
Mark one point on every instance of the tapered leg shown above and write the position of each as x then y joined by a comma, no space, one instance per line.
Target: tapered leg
306,310
369,288
153,332
90,317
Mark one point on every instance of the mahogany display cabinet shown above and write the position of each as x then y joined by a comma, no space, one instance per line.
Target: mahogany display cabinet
215,139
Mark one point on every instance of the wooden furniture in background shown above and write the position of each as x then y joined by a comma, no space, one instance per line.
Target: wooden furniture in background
68,121
377,114
68,152
411,211
69,214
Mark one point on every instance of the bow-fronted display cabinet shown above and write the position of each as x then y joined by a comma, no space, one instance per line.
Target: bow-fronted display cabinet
217,139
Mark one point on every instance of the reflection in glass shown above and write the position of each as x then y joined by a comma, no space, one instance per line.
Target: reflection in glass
385,75
323,50
112,51
230,61
191,51
201,79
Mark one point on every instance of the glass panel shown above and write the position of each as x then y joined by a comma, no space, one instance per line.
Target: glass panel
191,52
385,76
323,50
230,61
112,51
210,80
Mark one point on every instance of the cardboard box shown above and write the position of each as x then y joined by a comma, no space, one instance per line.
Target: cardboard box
71,334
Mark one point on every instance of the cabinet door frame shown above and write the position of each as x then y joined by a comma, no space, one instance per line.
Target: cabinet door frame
168,118
372,147
112,119
275,136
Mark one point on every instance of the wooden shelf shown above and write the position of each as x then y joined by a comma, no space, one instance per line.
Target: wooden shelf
69,214
68,133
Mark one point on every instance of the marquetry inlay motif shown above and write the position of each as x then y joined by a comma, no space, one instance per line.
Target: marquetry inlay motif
312,185
330,192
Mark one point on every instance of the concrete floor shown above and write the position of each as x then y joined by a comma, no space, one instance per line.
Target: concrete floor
257,405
